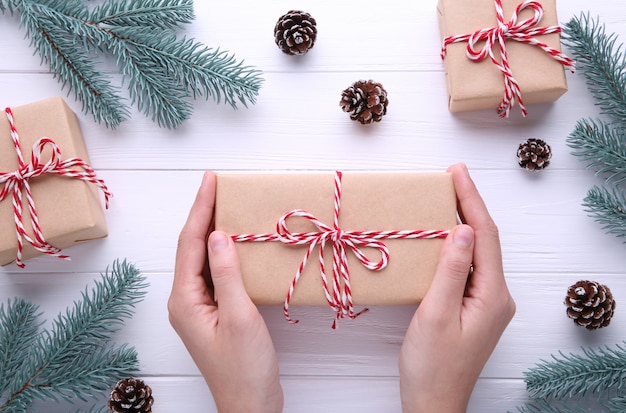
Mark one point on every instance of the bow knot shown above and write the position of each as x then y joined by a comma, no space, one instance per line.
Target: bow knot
21,174
504,30
337,235
340,299
354,241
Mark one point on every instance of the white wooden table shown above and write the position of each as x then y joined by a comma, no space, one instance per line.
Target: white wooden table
548,241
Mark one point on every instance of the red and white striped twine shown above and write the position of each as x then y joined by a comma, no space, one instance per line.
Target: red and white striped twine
338,292
16,183
525,32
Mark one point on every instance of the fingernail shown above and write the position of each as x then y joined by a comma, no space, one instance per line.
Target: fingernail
218,241
463,236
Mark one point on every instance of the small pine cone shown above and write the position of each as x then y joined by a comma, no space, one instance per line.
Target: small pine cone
295,32
366,101
131,396
534,154
590,304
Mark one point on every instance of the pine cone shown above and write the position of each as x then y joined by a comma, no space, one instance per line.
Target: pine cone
295,32
534,154
365,101
131,396
590,304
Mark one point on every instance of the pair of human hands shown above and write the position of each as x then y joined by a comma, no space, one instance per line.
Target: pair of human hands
450,338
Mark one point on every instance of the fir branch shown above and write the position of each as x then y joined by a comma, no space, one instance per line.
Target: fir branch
608,207
576,375
163,71
602,63
92,320
71,66
88,375
162,14
18,332
602,146
200,70
617,404
75,358
545,406
75,8
150,87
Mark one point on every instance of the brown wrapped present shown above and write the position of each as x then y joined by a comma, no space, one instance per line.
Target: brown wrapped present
68,208
253,204
524,74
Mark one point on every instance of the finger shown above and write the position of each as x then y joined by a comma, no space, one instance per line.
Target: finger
448,286
191,255
473,211
230,293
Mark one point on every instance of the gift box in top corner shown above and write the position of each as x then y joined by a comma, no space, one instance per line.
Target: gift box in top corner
69,210
253,204
480,84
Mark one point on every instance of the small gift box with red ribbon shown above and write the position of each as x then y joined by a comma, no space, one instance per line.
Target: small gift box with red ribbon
342,239
501,53
49,194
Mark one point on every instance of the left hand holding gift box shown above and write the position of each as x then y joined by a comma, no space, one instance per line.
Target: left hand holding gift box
49,197
231,345
220,326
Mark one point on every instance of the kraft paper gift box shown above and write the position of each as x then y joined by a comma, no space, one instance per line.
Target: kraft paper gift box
69,210
252,204
480,85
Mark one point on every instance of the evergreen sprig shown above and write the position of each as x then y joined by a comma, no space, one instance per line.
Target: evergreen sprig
164,72
617,404
608,207
600,142
558,383
601,61
602,146
18,332
577,375
543,406
75,358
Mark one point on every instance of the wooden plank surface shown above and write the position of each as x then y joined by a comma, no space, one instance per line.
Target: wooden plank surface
548,240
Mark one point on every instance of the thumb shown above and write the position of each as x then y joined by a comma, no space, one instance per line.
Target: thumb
230,293
455,260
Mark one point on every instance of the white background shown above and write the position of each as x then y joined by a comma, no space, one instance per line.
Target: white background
548,241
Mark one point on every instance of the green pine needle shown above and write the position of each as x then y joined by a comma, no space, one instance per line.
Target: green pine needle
545,406
602,146
617,404
75,358
18,332
577,375
599,143
147,13
164,72
608,207
602,63
93,319
72,66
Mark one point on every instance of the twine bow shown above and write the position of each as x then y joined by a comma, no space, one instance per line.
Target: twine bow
338,293
523,31
17,184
